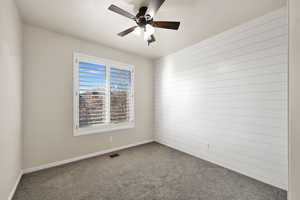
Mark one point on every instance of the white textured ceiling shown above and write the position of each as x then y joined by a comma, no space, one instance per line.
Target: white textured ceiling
91,20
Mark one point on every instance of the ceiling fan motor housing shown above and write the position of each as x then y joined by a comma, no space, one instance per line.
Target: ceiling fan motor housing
142,19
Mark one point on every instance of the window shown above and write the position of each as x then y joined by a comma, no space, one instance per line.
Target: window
103,95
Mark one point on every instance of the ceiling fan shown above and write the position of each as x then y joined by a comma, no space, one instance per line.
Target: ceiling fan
144,20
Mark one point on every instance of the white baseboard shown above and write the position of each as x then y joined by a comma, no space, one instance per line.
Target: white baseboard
62,162
15,186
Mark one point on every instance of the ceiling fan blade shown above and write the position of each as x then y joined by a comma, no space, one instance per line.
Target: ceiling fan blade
166,24
127,31
153,6
120,11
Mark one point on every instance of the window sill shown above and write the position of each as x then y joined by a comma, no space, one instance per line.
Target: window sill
102,128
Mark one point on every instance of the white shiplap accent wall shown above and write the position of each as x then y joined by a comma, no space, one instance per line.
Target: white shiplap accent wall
225,99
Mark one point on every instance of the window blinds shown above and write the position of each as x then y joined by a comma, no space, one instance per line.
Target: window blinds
92,94
120,95
105,94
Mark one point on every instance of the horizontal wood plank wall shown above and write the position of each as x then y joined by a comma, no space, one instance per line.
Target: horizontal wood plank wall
225,99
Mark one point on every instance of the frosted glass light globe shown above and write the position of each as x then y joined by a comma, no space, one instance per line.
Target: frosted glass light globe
137,31
148,32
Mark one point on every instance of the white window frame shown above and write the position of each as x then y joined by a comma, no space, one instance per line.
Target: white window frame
77,57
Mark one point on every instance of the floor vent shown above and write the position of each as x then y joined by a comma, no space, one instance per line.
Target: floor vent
114,155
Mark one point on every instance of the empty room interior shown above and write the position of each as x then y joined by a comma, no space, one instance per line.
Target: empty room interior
149,99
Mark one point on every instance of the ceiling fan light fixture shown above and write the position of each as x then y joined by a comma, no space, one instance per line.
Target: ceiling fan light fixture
146,36
138,31
149,30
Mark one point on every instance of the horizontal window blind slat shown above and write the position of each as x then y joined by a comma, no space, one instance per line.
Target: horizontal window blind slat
85,124
88,64
118,90
95,92
119,95
117,81
94,89
122,107
85,110
118,70
92,72
89,81
95,73
120,75
124,88
99,88
117,103
98,107
92,100
98,112
91,85
124,85
92,115
91,124
94,68
119,116
96,121
120,119
90,118
115,84
119,78
89,76
116,74
116,110
94,97
120,113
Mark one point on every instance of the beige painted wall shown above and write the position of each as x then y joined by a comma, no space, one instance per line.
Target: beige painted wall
294,71
10,97
48,90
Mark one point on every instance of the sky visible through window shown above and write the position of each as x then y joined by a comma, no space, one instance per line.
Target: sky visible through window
91,76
